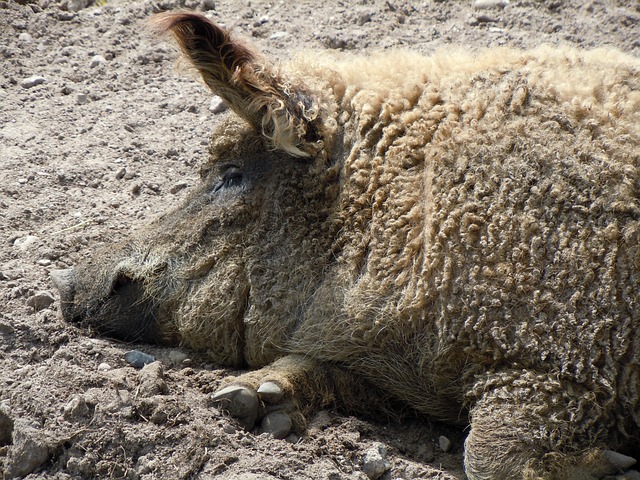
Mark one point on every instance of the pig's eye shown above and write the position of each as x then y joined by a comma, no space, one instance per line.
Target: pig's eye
231,177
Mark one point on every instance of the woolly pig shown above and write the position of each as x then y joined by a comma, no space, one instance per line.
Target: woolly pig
458,234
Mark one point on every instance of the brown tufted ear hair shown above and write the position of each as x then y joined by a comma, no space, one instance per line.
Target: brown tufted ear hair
285,113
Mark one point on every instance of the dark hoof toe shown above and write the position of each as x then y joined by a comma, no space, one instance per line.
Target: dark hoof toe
270,392
618,460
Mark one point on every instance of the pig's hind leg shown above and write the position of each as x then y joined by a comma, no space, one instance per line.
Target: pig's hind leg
532,425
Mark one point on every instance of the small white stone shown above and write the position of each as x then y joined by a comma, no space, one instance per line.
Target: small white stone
25,37
278,35
104,367
444,443
97,60
217,105
32,81
486,4
25,243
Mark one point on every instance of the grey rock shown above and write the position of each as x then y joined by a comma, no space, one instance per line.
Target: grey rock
375,463
76,408
32,81
217,105
104,367
152,380
207,5
40,300
97,60
363,18
66,16
24,37
278,35
28,452
444,443
138,359
178,186
487,4
25,243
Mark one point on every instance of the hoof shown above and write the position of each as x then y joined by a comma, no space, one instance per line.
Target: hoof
241,402
278,424
270,392
619,461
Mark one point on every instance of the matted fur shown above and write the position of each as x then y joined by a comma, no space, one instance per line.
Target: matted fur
463,240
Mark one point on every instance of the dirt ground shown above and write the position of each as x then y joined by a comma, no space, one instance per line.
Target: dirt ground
99,133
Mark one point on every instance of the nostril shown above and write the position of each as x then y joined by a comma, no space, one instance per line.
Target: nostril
64,281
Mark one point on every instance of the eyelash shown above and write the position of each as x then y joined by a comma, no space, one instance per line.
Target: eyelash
232,177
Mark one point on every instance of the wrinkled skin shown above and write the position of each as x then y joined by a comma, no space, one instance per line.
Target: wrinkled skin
347,271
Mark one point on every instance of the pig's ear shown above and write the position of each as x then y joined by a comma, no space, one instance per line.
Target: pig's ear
285,113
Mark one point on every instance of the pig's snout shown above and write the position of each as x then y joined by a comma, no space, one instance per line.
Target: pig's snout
122,310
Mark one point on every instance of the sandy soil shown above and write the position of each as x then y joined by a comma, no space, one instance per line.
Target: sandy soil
98,133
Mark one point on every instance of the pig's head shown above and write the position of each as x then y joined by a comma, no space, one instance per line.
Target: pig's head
229,271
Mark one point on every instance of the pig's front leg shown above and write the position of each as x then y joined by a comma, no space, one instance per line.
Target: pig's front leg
281,395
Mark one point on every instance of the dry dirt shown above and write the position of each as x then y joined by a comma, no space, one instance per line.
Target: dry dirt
98,133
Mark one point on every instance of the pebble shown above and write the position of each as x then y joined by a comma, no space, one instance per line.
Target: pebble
40,300
207,5
444,443
278,35
25,37
375,463
66,16
152,380
97,60
121,173
104,367
82,98
76,408
32,81
217,105
138,359
178,186
486,4
25,243
363,18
